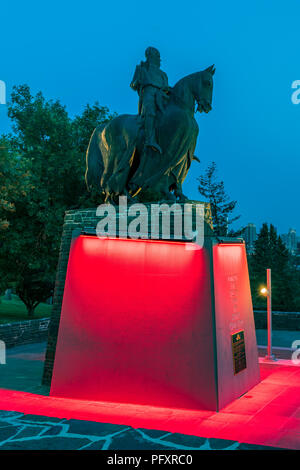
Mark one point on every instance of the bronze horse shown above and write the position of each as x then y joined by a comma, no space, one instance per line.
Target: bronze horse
118,162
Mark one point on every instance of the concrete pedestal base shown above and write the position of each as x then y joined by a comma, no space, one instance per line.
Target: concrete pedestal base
156,322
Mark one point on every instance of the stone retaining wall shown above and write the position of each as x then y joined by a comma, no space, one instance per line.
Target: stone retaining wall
24,332
280,320
34,331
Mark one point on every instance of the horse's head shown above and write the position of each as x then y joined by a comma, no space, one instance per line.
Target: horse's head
203,89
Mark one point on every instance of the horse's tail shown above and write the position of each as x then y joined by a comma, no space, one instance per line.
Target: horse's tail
94,160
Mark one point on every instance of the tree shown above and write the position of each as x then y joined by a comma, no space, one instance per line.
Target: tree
45,162
221,206
12,180
84,125
270,252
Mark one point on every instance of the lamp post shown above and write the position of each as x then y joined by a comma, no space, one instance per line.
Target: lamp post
268,292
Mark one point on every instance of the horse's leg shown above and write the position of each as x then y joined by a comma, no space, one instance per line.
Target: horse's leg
179,194
118,142
94,161
178,189
163,188
135,182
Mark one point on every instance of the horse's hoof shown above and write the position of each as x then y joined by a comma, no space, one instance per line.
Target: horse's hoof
181,198
168,197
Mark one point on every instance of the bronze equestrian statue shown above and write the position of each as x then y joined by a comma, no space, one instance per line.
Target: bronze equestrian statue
150,152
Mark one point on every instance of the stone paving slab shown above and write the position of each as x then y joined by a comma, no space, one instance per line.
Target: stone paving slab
30,432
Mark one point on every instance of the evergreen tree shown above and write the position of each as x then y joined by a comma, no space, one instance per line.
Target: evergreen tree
270,252
221,206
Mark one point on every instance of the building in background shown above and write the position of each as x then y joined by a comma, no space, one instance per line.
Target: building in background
249,234
291,241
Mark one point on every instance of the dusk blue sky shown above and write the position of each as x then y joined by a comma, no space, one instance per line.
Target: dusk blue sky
80,52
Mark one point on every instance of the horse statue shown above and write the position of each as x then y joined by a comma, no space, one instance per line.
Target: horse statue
118,162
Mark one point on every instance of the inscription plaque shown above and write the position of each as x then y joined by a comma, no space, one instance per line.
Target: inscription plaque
238,351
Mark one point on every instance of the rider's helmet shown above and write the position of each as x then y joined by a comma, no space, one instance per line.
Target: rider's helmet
152,52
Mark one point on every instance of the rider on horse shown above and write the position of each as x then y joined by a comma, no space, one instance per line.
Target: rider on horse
151,83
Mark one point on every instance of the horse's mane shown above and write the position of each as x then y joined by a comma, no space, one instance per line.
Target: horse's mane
177,91
187,79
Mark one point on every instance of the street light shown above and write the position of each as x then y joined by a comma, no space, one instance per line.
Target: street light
267,291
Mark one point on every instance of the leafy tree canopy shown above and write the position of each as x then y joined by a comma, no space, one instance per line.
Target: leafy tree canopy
42,166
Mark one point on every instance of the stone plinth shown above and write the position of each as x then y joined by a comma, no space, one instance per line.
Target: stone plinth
155,322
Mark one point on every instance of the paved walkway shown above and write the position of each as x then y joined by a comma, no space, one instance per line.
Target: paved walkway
24,369
32,432
269,415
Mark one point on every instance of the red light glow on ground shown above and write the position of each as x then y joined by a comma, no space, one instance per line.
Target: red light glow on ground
269,414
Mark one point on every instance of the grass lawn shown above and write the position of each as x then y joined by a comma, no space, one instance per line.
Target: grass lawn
15,310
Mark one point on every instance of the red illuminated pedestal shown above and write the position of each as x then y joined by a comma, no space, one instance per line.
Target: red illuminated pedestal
153,322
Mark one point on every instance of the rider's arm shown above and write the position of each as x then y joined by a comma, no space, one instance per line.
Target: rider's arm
135,82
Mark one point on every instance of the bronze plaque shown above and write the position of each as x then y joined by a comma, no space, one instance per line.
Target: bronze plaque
238,351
